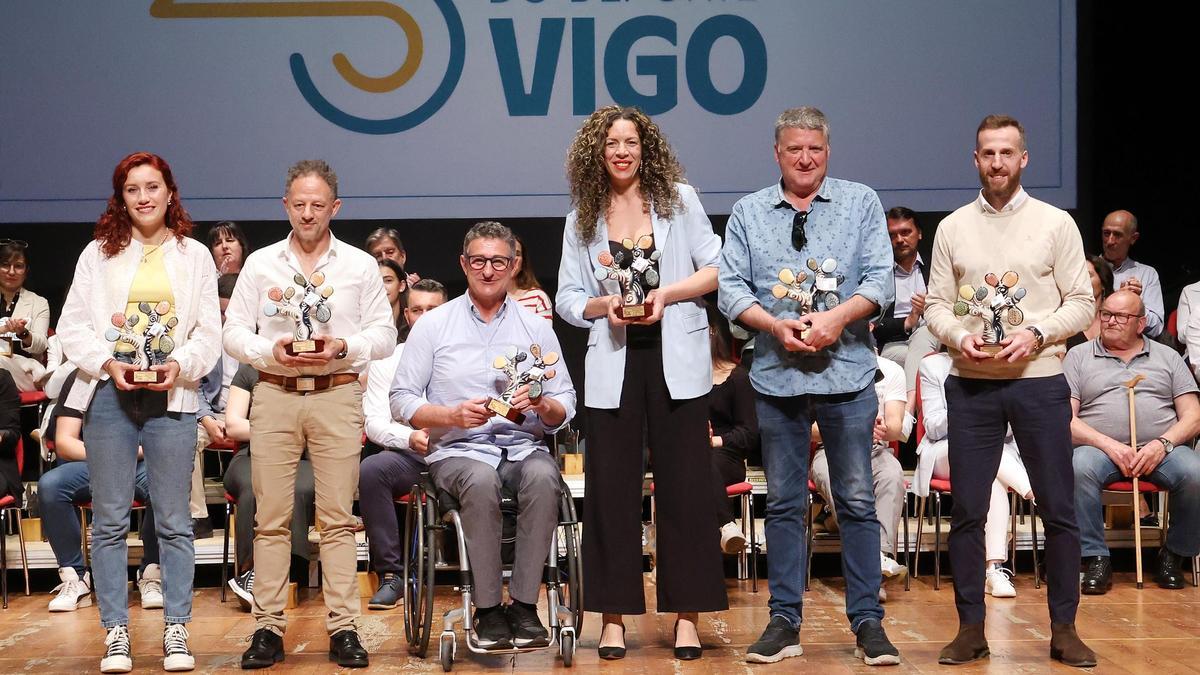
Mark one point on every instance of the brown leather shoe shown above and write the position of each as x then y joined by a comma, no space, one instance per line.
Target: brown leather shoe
969,645
1066,646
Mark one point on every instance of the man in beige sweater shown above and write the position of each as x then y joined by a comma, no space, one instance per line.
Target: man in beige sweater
1007,286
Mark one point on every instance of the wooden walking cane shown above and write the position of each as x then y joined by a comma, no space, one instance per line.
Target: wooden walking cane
1137,521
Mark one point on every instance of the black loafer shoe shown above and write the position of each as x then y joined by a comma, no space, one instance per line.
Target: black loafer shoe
266,649
1169,574
346,650
1097,580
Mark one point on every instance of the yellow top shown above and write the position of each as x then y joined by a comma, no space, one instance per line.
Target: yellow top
151,285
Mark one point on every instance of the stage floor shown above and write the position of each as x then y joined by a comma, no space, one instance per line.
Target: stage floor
1132,631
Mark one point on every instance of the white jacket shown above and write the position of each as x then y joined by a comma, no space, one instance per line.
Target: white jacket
101,288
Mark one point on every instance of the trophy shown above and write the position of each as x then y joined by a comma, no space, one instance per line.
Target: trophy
826,280
635,269
8,340
151,343
791,287
995,312
301,303
537,373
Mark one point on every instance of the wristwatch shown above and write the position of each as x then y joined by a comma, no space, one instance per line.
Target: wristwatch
1168,446
1037,334
345,349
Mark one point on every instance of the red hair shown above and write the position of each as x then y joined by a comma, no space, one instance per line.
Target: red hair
114,229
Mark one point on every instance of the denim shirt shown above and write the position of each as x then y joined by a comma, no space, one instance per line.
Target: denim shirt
845,223
449,358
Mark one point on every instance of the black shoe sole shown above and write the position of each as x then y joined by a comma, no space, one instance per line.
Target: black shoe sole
982,654
349,663
529,643
257,664
1094,590
611,653
688,653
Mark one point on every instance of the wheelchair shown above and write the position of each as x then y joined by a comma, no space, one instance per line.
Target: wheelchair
431,515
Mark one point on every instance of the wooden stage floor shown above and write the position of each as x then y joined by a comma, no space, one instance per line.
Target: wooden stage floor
1148,631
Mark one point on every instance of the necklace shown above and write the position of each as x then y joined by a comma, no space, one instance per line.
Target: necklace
148,250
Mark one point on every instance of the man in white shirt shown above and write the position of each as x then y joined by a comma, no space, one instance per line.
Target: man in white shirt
311,288
391,473
1118,234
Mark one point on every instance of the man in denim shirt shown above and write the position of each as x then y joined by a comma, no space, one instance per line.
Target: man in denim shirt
814,362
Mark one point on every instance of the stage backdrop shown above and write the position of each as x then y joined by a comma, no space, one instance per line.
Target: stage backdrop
465,108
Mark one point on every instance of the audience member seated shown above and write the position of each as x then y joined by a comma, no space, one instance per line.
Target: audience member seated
65,486
1118,234
1189,297
1168,417
239,484
524,287
24,319
395,284
390,474
1102,286
887,474
384,243
229,247
934,462
732,426
214,393
10,435
900,334
443,383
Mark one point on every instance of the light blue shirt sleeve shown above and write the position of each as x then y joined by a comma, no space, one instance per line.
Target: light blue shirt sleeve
415,369
571,299
735,280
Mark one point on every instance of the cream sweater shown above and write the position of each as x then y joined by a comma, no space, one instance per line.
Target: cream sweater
1039,242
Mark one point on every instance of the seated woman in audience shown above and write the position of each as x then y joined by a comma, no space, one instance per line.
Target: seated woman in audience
229,247
732,425
64,487
238,482
24,318
162,286
524,287
1101,273
934,462
395,283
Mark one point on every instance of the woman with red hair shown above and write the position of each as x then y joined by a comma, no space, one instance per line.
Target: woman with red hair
143,325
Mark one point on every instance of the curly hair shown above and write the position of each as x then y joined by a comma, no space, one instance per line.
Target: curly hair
657,175
114,229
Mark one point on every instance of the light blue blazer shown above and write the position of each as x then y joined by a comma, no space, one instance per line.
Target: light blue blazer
688,244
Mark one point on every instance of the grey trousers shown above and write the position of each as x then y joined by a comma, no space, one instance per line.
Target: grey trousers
888,479
910,353
476,486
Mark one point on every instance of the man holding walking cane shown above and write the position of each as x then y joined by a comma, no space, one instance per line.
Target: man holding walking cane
1007,286
1167,415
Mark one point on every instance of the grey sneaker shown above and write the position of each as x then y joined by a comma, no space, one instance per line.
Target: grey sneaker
873,646
778,642
390,592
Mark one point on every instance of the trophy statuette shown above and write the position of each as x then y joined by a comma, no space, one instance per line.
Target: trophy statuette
125,329
635,268
302,303
537,373
1001,308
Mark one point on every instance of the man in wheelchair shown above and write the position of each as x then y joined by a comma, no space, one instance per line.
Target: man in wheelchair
476,374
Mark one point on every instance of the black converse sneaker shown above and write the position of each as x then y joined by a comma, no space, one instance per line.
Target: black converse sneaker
176,655
116,657
243,587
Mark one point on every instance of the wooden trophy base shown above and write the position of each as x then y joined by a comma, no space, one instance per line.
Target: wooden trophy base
305,347
991,349
634,311
145,377
505,410
6,346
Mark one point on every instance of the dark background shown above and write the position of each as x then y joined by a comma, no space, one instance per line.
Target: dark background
1133,154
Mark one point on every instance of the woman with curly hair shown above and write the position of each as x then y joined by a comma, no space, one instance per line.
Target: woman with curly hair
639,236
144,297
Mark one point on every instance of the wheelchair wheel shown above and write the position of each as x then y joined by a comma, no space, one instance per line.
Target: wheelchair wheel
566,647
574,562
446,652
418,572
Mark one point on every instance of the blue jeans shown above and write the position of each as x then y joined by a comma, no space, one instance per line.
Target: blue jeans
66,485
846,422
1178,473
115,424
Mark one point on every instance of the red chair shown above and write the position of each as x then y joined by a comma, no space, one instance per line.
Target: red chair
12,503
1172,329
1146,487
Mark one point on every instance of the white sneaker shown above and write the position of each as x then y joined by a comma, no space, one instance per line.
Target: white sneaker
732,539
150,587
116,657
73,592
998,582
176,655
891,567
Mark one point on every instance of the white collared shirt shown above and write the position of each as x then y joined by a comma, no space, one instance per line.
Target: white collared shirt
908,284
359,309
378,423
1013,204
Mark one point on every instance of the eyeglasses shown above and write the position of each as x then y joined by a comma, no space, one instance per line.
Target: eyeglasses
15,243
498,263
799,238
1119,317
